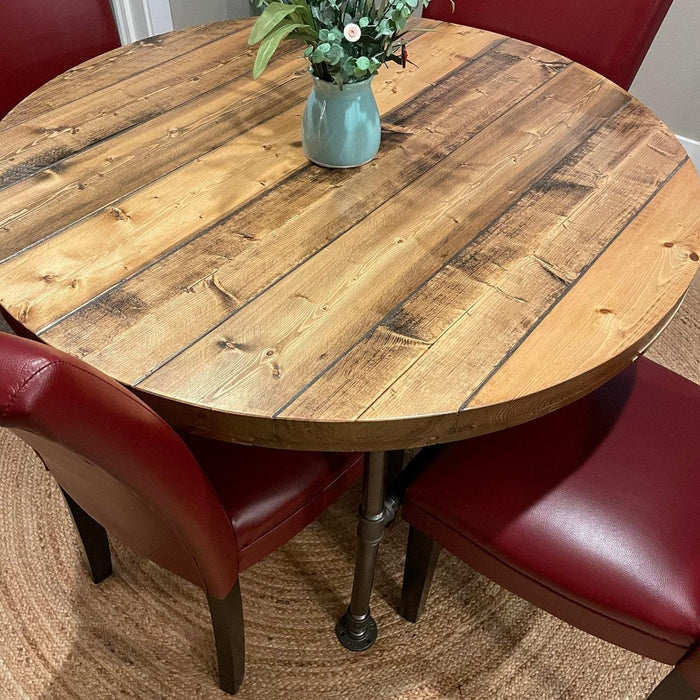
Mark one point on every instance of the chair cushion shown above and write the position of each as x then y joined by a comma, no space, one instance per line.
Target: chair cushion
590,512
272,494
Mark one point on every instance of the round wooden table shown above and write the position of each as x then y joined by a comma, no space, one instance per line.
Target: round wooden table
526,230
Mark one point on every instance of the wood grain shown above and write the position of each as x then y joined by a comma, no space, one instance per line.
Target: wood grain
525,231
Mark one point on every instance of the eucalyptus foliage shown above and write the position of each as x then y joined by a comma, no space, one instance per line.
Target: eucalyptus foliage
348,40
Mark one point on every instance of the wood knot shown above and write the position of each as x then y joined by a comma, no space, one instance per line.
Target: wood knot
270,353
247,235
227,344
118,214
668,244
693,256
603,310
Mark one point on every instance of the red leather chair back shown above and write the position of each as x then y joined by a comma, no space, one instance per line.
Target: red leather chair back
119,461
40,39
610,36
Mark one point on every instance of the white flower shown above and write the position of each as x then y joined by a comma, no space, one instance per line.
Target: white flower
352,32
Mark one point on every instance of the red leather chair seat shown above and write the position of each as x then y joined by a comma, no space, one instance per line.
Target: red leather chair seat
590,512
200,508
306,483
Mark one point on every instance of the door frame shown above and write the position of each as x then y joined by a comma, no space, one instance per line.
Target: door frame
138,19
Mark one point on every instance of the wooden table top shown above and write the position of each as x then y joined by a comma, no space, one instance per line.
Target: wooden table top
526,229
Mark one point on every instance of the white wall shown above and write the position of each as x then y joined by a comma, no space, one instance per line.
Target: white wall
189,12
669,80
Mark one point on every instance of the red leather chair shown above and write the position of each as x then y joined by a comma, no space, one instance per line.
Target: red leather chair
610,36
590,513
202,509
40,39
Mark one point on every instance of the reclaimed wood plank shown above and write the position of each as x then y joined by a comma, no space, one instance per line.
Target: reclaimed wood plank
41,141
110,68
619,302
571,191
55,197
264,353
36,207
236,254
133,231
517,202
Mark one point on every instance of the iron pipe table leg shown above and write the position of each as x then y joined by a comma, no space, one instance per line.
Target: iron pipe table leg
356,630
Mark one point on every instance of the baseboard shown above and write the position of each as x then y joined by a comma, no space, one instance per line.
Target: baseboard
693,149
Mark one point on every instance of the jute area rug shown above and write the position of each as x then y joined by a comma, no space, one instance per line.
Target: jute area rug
144,633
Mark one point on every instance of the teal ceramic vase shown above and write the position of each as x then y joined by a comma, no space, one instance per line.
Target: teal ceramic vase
340,128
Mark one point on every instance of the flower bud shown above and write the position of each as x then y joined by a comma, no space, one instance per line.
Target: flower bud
352,32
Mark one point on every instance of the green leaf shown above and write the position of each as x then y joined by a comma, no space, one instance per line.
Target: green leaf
363,22
335,54
269,45
304,11
363,63
274,13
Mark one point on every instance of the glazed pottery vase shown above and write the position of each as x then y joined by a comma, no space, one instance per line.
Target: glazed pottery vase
340,128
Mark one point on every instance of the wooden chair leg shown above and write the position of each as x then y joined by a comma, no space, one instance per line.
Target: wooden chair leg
421,557
394,467
227,621
674,687
94,540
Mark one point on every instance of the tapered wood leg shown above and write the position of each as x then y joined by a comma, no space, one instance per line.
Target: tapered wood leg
94,540
227,621
674,687
421,557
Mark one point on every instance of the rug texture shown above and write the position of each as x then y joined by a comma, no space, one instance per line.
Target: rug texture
144,633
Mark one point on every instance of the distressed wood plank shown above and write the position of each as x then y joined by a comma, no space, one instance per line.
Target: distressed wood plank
572,190
154,220
114,66
617,302
236,254
487,331
525,231
55,197
39,142
372,266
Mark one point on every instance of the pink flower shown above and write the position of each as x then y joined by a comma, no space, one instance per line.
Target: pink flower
352,32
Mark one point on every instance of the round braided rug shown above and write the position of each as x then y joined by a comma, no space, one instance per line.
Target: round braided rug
144,633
